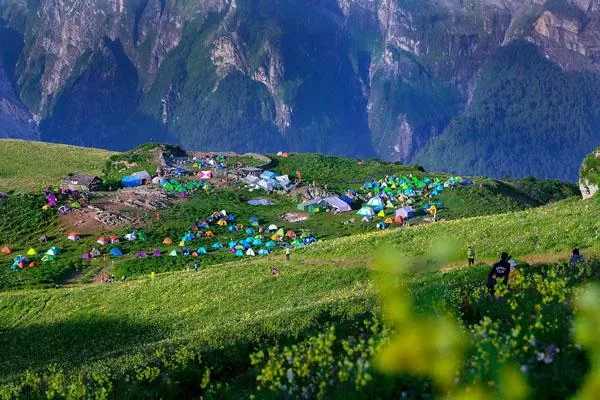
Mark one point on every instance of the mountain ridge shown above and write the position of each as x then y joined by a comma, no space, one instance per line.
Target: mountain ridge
362,78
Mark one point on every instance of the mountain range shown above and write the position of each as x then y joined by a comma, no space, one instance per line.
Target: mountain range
487,87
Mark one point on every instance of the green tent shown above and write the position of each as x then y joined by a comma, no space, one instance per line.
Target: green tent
173,253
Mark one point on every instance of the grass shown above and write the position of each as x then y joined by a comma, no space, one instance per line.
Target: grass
29,166
240,301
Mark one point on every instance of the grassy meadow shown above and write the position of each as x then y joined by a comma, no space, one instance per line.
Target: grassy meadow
320,328
30,166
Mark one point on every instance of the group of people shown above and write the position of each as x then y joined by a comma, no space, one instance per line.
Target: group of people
506,267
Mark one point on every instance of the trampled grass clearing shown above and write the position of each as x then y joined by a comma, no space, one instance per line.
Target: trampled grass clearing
29,166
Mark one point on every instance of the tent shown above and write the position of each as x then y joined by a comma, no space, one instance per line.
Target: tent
113,239
131,181
250,231
280,232
141,236
366,212
337,204
388,221
202,250
130,237
276,237
87,256
209,234
239,253
53,251
222,222
273,227
156,253
297,243
187,237
253,221
271,244
73,236
232,244
217,246
47,258
102,241
398,219
406,212
381,214
205,174
144,176
168,241
367,219
268,175
375,203
257,242
263,252
290,234
173,253
6,250
116,252
141,254
31,252
95,252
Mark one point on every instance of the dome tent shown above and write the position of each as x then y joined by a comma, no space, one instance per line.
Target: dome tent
116,252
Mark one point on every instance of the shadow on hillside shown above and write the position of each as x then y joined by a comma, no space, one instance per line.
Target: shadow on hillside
71,343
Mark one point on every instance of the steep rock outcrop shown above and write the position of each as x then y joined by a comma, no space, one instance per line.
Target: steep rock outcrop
589,175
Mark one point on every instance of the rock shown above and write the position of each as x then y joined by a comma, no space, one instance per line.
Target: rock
589,175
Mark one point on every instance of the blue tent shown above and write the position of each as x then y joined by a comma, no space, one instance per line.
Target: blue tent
249,240
270,243
268,175
187,237
231,218
202,250
232,244
263,252
250,231
116,252
257,242
131,181
217,246
239,253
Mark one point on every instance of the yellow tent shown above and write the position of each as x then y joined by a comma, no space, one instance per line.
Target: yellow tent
222,222
182,244
209,234
389,221
276,237
31,252
381,214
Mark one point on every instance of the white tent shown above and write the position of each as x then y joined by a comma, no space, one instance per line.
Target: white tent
250,252
366,212
273,227
337,204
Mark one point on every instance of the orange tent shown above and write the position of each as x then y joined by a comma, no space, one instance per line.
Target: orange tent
209,234
6,250
168,241
291,234
398,219
389,221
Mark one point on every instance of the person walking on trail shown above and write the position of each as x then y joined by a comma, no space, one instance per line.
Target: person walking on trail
287,253
471,255
196,267
576,258
500,270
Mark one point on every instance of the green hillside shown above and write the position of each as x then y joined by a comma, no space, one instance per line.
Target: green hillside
29,166
234,329
227,309
529,106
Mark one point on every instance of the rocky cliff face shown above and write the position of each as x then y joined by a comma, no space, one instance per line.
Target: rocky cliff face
356,77
589,175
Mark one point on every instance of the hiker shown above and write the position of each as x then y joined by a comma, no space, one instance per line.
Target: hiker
500,270
287,254
576,258
196,266
471,255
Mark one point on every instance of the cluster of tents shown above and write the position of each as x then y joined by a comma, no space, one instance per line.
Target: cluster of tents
22,262
402,194
184,189
64,199
259,241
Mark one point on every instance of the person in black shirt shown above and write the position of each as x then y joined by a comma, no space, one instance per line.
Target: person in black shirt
500,270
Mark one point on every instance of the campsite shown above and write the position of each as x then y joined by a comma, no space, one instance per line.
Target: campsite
229,328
